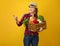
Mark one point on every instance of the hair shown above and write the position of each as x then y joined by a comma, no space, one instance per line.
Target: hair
36,13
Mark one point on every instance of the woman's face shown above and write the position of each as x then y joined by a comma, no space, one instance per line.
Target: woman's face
31,9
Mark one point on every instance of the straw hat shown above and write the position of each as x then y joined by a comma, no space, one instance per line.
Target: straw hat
33,4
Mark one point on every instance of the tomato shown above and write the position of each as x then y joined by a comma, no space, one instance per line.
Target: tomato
35,21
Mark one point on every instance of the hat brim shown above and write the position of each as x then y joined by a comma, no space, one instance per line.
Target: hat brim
31,5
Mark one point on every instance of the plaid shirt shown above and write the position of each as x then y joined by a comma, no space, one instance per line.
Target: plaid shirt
27,31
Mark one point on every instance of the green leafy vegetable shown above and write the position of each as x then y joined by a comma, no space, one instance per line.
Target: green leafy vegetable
25,22
41,18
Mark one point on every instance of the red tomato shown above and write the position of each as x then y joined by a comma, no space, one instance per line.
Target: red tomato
35,21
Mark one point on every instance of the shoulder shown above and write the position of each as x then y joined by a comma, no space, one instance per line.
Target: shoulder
27,14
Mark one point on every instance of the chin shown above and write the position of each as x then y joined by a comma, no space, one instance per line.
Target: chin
31,12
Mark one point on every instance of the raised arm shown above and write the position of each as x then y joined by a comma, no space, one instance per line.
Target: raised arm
19,23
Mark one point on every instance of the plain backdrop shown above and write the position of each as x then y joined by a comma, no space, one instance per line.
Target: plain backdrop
12,35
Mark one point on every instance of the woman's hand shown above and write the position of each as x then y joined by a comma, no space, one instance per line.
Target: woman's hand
15,17
41,29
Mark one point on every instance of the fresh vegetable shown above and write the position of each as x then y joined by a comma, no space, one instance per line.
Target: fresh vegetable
35,21
41,18
25,22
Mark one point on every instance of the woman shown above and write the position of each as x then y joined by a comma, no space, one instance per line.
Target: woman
29,36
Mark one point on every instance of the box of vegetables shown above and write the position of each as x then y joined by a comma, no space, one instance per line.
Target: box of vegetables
36,27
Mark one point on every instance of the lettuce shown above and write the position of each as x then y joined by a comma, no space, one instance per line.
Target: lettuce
41,18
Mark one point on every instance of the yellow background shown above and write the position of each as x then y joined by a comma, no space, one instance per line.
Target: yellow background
12,35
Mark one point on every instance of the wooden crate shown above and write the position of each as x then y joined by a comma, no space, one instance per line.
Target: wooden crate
36,27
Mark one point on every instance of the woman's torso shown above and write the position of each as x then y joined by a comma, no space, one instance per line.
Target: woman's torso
31,20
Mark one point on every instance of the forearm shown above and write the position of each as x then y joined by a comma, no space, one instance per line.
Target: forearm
17,22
